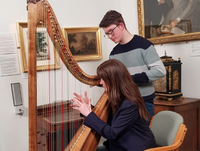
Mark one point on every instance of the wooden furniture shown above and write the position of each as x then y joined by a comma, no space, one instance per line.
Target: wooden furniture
55,131
189,109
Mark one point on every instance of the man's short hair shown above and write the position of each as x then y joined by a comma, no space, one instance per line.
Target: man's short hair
111,17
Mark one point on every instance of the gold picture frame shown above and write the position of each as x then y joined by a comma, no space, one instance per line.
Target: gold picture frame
84,43
163,39
46,63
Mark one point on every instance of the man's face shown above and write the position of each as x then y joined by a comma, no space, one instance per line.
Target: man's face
113,32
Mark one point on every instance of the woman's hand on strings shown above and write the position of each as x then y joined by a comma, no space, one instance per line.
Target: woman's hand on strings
82,104
79,97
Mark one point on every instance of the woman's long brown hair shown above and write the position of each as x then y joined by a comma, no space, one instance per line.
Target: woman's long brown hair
120,86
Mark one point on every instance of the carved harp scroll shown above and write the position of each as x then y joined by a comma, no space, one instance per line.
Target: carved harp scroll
40,11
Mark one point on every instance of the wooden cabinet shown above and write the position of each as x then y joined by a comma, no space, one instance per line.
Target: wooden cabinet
55,130
189,108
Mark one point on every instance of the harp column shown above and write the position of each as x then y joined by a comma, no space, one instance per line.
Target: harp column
32,78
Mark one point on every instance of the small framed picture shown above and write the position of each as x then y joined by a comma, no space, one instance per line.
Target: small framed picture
47,57
84,43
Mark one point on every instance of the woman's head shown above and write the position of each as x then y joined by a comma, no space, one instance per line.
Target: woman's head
120,86
114,74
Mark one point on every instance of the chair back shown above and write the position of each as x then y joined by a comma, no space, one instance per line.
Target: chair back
165,126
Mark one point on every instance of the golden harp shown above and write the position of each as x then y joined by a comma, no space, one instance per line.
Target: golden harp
40,11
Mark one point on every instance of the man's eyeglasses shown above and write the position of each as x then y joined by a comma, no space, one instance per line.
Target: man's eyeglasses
110,33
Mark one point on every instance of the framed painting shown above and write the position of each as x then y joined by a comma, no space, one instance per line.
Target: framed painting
158,22
47,57
84,43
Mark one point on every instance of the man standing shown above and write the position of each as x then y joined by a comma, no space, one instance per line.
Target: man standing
136,53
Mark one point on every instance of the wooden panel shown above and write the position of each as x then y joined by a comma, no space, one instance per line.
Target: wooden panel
189,109
161,108
41,140
190,120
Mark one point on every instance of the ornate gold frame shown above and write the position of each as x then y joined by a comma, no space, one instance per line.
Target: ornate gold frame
165,39
23,52
96,30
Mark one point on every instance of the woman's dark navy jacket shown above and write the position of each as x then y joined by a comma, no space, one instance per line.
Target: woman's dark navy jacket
125,130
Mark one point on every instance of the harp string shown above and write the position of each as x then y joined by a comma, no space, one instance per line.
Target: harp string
55,96
45,96
49,109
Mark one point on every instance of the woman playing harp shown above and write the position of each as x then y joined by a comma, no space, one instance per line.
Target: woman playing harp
127,128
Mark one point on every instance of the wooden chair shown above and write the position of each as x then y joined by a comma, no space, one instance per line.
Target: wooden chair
169,131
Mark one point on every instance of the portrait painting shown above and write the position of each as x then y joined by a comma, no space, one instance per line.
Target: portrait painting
165,21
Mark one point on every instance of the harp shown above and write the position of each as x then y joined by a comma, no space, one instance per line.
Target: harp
40,11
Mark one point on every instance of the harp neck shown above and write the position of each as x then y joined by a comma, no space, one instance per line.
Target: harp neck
45,14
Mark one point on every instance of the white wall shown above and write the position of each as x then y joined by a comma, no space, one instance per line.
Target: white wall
77,13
